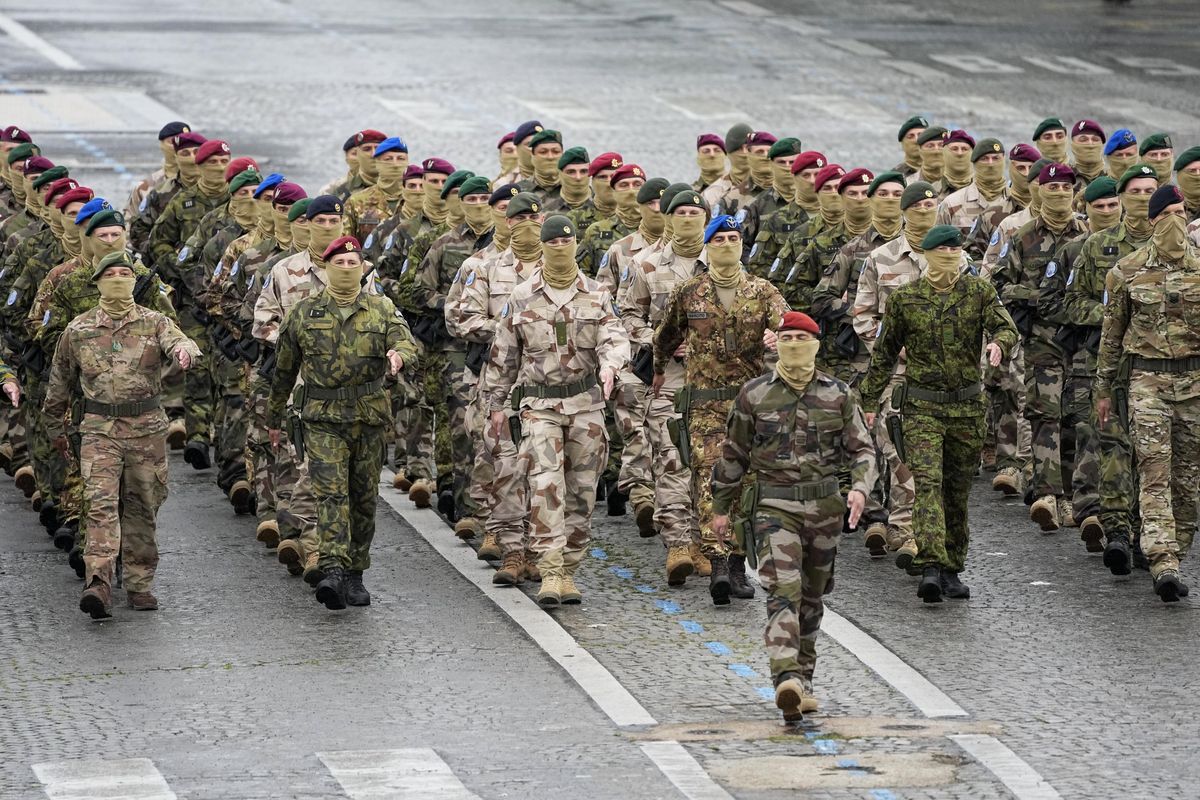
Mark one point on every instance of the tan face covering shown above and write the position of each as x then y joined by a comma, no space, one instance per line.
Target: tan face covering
783,180
264,216
478,217
739,165
1035,197
724,264
605,196
885,216
212,179
545,171
1089,158
189,171
1189,183
116,296
1019,189
300,230
1055,151
956,167
281,229
628,210
508,161
943,270
1056,209
17,184
1170,237
1161,167
989,178
1119,164
712,166
760,170
72,237
797,361
85,250
1102,220
352,162
432,204
503,236
525,161
558,264
319,239
856,214
575,191
912,153
652,222
831,207
368,167
170,165
243,212
344,283
390,178
687,235
54,219
454,211
414,198
101,248
806,195
526,240
933,161
917,222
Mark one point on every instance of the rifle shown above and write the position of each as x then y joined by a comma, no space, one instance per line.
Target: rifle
429,328
1022,317
847,342
267,368
476,356
677,428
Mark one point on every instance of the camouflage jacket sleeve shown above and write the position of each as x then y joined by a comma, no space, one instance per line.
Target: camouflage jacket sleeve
1007,277
776,307
406,285
287,369
425,292
504,362
671,331
612,345
866,305
64,378
474,322
452,310
1112,334
164,238
142,224
729,470
1081,303
883,357
400,338
828,303
997,322
171,337
6,374
268,311
633,301
1052,290
859,446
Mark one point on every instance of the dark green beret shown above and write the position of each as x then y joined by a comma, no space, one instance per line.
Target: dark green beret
942,235
986,146
298,209
885,177
541,137
935,132
689,197
105,219
915,193
1155,141
23,151
1187,157
1036,169
523,203
49,176
652,189
1101,187
476,184
1048,124
668,194
247,177
910,123
787,146
117,259
573,155
736,136
557,226
455,180
1136,171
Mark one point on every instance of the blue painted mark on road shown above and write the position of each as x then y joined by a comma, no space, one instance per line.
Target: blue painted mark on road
668,606
766,692
852,765
690,626
718,648
600,554
827,747
743,670
645,589
622,572
883,794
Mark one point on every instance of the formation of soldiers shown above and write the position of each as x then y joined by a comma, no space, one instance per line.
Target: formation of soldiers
577,329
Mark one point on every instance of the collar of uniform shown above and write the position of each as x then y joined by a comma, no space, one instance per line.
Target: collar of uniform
105,321
1074,225
539,282
326,300
818,377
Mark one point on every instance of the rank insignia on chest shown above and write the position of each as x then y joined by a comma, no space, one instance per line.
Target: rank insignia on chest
1111,250
189,203
116,346
560,332
317,312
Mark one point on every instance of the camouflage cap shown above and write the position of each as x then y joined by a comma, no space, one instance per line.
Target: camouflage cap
652,190
1136,171
1100,187
985,147
523,203
1155,141
915,193
885,177
120,258
574,155
942,235
557,226
108,218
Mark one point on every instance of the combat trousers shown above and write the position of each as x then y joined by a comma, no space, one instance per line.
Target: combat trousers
1044,410
901,492
1079,429
508,493
232,421
1116,487
49,468
797,543
198,383
483,467
413,423
260,458
12,437
1006,394
671,481
564,455
456,385
943,454
632,415
125,483
706,430
1166,436
344,460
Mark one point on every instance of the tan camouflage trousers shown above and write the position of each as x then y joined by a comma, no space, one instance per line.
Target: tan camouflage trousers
797,543
1044,410
671,480
1006,396
1166,438
564,455
901,491
632,414
479,475
125,483
507,493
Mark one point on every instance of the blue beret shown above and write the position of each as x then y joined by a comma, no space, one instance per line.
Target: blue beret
723,222
1120,139
527,129
389,144
324,204
91,208
269,182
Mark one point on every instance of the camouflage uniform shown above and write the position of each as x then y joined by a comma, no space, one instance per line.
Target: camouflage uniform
796,445
833,301
737,197
963,208
149,210
367,209
724,350
550,196
792,273
942,415
597,242
773,234
768,204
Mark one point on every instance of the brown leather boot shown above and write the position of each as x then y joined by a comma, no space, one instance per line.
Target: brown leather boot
142,601
644,514
420,493
699,560
312,572
176,434
489,548
97,600
401,483
532,571
679,565
268,533
24,480
291,556
512,571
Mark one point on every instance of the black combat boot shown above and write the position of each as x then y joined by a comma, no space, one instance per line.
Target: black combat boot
718,581
48,516
953,588
739,586
930,588
64,537
331,591
616,499
75,562
196,454
1116,554
356,593
1169,587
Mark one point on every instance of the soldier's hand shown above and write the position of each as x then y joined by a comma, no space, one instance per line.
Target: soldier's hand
720,527
855,502
870,415
769,339
13,390
183,357
681,351
1103,409
607,378
395,362
61,445
499,421
657,384
994,354
276,437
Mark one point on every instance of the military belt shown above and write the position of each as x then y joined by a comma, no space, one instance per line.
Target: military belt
698,396
560,391
917,393
345,393
800,491
1173,365
133,408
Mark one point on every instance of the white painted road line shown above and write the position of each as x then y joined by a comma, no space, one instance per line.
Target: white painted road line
856,47
747,8
416,773
683,771
19,33
124,779
1020,778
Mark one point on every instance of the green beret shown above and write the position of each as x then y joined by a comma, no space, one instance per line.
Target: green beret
652,189
105,219
1036,169
557,226
49,176
736,136
668,194
941,235
541,137
455,180
247,177
1187,157
1103,186
1136,171
1155,141
117,259
573,155
689,197
885,177
787,146
23,151
523,203
986,146
929,134
1048,124
476,184
915,193
910,123
298,208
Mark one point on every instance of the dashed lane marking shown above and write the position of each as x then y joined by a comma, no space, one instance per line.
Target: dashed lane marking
1020,778
684,771
856,47
19,33
416,773
123,779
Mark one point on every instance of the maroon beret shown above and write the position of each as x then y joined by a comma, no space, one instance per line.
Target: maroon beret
605,161
287,193
1024,152
959,135
346,244
1056,173
807,160
38,164
239,165
626,171
213,147
58,187
799,321
505,139
859,176
829,172
438,165
188,139
710,138
80,194
414,171
13,134
1163,198
761,137
1088,126
369,136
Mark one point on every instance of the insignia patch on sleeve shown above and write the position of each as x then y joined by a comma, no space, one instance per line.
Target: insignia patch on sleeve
754,250
1004,250
604,261
1051,269
504,311
12,297
183,254
46,318
470,280
1070,277
1104,301
236,268
217,269
995,238
370,241
387,243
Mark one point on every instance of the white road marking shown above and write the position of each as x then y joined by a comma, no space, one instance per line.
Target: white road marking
802,28
971,62
568,112
857,47
1020,778
1159,66
122,779
700,108
416,773
915,69
19,33
1146,114
744,7
1067,65
683,771
428,114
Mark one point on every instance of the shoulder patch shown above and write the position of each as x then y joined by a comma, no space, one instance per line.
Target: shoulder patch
1004,250
1104,300
253,280
470,280
369,241
387,243
46,318
740,216
267,280
183,253
995,238
12,297
974,225
236,268
142,205
404,267
754,250
604,261
217,269
716,210
504,311
1070,277
1051,269
774,265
